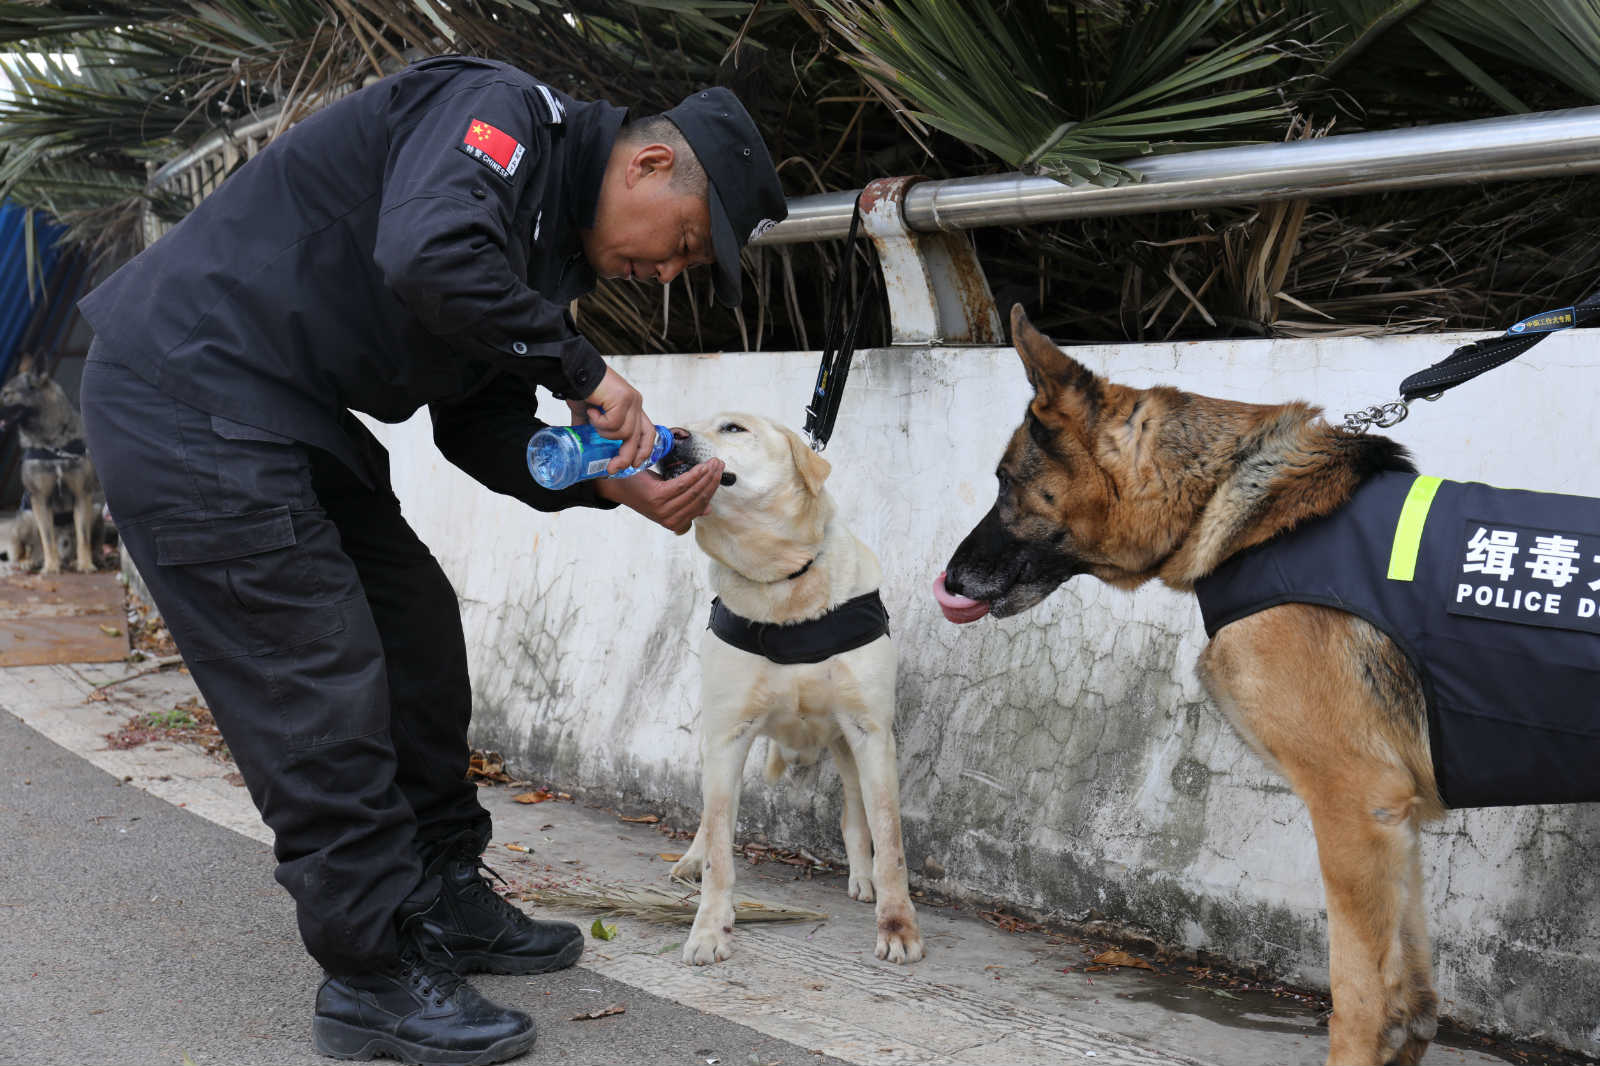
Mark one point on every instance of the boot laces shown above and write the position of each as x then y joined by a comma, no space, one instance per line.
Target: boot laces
427,979
480,889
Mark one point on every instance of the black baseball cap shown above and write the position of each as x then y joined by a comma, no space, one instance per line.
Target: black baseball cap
743,191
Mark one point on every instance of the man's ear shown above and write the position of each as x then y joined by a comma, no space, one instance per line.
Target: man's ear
813,468
1062,386
649,159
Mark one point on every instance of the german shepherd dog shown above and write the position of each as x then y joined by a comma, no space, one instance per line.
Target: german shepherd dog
1132,485
55,463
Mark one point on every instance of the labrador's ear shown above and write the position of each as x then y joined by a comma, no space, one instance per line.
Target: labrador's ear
813,468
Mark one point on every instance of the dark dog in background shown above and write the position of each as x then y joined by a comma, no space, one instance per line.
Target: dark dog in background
19,536
55,464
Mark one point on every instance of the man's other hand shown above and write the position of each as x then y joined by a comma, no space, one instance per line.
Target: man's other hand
616,410
674,504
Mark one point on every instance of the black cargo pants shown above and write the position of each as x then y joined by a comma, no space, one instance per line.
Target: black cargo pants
322,633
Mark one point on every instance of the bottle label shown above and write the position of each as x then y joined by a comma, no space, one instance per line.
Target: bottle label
596,466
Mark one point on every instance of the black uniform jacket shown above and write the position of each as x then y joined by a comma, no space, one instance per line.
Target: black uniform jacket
1494,596
416,242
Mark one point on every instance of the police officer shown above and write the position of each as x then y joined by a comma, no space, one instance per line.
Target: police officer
417,242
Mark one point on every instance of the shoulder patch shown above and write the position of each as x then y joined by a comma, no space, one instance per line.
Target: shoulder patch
557,112
495,149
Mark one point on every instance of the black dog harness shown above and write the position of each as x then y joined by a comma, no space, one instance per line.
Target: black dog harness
73,449
853,624
1493,595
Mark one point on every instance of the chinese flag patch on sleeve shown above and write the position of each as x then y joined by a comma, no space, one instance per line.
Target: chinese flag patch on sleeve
497,150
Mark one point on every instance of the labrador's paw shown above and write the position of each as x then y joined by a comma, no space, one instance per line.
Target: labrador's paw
689,866
899,939
707,946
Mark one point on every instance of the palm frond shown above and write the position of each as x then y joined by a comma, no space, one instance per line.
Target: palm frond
1512,54
1012,79
849,90
668,906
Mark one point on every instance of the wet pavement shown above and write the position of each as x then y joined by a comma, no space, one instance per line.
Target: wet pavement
55,618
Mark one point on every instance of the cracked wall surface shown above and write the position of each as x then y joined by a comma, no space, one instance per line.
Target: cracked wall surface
1066,759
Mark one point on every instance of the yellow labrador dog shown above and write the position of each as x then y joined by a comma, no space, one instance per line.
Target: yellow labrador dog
798,651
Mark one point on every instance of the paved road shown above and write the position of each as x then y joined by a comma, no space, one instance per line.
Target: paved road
137,934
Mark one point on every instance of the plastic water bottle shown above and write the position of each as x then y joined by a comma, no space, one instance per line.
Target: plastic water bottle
559,456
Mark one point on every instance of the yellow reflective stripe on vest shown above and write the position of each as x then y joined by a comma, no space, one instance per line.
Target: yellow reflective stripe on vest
1408,531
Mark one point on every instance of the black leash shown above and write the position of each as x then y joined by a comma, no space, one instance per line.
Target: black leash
839,345
1470,360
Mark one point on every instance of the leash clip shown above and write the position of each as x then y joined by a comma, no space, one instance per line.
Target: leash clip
1382,415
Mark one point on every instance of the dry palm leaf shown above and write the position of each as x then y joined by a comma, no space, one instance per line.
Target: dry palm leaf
659,905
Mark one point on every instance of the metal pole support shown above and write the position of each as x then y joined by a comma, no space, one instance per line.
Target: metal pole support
937,290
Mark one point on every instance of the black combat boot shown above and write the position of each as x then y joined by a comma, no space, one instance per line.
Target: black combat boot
417,1011
472,930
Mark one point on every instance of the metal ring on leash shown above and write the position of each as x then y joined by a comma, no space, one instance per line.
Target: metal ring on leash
1381,415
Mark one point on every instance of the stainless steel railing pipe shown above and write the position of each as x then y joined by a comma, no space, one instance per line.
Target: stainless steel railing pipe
1498,149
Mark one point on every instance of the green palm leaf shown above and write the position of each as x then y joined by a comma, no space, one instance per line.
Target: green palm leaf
1504,49
1011,79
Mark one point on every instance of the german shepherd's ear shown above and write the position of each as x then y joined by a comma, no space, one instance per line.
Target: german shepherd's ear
813,468
27,362
1059,382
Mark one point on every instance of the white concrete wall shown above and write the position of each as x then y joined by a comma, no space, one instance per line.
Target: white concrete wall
1066,759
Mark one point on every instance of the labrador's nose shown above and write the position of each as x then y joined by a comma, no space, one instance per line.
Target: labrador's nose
680,434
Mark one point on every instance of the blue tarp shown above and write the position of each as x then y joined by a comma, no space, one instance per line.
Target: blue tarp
38,319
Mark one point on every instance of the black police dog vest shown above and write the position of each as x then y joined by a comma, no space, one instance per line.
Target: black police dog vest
1494,597
853,624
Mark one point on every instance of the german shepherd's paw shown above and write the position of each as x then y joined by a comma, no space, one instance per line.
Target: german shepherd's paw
707,946
1412,1032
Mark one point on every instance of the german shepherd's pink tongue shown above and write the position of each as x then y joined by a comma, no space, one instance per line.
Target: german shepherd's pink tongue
958,609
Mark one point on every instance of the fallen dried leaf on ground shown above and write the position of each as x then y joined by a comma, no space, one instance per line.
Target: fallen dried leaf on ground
1118,957
487,766
603,1012
533,797
1010,922
669,856
146,631
188,721
647,819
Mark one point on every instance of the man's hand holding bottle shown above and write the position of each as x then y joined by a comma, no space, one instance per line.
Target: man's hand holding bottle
616,410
